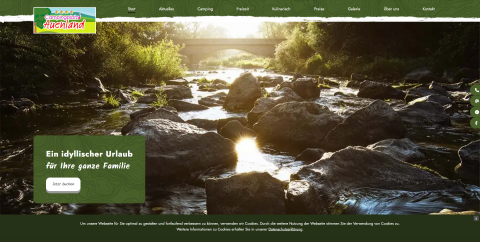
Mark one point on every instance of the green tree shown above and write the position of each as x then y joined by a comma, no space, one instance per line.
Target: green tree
39,17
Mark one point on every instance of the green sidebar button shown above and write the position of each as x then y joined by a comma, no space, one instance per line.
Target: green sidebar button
475,112
475,100
475,123
475,90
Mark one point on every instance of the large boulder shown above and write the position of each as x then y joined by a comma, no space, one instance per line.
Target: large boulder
357,169
270,81
183,106
206,124
424,114
282,85
421,75
216,99
124,97
95,86
152,90
28,95
447,211
172,91
206,87
306,88
459,86
297,123
160,113
453,75
244,91
23,103
352,84
311,155
283,95
419,92
303,199
177,92
141,112
19,104
377,90
469,167
442,100
180,82
262,105
296,76
223,121
245,193
219,81
401,149
328,82
174,150
235,131
219,86
439,89
146,85
8,107
147,98
375,122
275,79
357,77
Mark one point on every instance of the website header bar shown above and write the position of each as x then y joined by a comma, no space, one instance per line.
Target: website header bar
265,8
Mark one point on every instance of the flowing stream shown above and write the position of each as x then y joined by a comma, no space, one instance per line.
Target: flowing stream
78,115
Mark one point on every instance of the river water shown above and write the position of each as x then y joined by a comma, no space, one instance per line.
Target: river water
78,115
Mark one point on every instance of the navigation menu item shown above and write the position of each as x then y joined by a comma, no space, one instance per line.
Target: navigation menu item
390,9
280,9
166,9
205,9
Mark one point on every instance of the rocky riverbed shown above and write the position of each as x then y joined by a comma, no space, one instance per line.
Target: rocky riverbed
232,143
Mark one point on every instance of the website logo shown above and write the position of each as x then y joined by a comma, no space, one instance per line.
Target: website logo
64,20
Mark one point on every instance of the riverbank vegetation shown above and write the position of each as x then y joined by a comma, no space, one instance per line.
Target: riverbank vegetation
112,101
136,94
119,54
244,61
161,99
375,49
126,54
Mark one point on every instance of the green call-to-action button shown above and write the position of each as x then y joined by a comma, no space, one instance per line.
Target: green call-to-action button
475,100
475,89
475,112
475,123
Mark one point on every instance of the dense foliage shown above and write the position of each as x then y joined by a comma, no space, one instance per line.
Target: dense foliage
194,30
245,61
377,49
119,54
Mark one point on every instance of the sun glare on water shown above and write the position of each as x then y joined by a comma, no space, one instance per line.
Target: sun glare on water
250,158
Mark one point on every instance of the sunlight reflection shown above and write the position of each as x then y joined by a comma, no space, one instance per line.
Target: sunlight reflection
251,159
283,174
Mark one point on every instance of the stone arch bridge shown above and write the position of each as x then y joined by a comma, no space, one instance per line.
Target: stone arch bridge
194,49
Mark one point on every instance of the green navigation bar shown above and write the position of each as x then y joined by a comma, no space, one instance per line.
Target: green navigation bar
264,8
